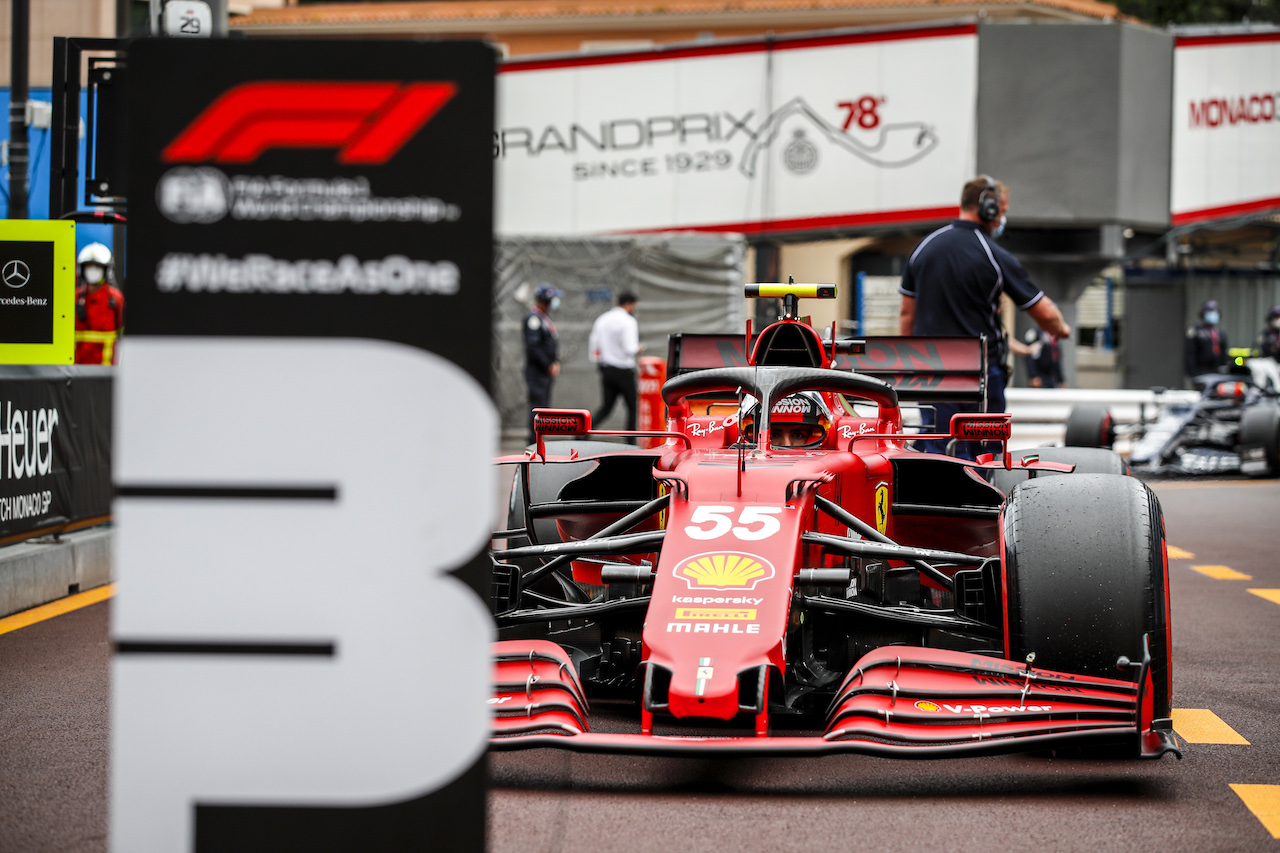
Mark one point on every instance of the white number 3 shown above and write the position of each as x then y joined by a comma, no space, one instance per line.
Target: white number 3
721,522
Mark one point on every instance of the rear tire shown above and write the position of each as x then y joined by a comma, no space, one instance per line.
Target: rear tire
1086,576
1090,426
1260,438
1088,460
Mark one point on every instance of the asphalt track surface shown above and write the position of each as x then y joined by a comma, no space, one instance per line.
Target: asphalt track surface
54,724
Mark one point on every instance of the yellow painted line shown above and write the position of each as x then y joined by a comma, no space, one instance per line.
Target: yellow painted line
1222,573
56,608
1198,725
1179,554
1272,595
1264,802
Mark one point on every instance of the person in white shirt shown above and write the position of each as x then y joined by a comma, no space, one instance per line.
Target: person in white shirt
614,343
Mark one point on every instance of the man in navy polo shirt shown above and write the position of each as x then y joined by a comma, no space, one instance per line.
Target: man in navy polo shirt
952,286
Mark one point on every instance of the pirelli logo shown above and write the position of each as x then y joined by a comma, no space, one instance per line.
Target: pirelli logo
700,613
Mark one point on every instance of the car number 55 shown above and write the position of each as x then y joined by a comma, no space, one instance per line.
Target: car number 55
721,520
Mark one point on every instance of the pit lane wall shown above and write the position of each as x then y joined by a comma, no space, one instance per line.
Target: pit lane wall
55,449
55,477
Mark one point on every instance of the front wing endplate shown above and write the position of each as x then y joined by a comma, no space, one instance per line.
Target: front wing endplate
899,701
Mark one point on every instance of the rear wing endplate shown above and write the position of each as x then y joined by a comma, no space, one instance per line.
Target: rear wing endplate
949,369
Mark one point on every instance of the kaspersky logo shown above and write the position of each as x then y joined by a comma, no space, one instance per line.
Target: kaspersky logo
367,122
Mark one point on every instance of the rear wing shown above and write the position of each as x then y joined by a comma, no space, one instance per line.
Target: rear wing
921,369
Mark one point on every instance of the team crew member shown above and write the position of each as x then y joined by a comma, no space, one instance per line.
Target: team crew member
1044,364
1269,348
1269,337
614,343
1206,345
952,286
99,307
541,349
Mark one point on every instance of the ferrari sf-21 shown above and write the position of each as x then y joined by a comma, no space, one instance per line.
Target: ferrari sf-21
779,572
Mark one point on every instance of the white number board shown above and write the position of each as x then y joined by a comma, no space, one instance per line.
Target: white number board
289,632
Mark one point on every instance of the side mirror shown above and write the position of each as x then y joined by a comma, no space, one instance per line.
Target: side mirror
561,422
996,427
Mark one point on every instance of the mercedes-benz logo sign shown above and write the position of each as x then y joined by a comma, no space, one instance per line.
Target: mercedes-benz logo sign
16,274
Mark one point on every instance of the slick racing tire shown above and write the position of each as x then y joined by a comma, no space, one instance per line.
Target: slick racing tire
1260,439
1090,426
1088,460
1087,577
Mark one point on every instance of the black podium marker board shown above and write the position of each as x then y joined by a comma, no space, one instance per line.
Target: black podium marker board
302,443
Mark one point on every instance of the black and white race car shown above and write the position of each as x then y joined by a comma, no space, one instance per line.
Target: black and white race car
1233,428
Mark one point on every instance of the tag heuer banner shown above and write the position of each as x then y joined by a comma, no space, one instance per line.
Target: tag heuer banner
303,446
759,136
55,454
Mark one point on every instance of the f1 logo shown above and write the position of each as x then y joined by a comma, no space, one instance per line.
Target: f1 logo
368,122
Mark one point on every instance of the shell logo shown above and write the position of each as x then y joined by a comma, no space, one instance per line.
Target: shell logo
926,705
724,570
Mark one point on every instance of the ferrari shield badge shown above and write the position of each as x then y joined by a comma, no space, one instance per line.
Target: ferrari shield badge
882,506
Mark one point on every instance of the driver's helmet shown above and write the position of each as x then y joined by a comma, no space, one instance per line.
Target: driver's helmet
801,420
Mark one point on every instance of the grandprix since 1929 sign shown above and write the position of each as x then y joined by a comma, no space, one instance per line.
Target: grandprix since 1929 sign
772,135
303,438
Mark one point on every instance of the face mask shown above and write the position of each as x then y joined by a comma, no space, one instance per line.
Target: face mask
555,302
1211,318
92,273
1004,220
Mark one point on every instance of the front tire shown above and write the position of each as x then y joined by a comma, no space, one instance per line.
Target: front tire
1086,575
1090,426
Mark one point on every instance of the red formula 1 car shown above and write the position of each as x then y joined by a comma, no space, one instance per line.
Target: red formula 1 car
783,574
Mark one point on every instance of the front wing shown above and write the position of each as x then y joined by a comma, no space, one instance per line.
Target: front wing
899,701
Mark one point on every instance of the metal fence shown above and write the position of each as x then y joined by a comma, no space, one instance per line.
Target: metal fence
685,282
